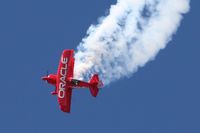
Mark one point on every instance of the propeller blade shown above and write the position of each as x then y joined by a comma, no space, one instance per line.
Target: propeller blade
47,73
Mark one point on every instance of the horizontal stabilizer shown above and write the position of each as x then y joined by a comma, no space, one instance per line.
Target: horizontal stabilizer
95,84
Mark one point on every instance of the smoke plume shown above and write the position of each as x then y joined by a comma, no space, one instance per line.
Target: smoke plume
127,38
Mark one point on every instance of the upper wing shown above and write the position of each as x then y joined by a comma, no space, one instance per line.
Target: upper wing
66,65
65,72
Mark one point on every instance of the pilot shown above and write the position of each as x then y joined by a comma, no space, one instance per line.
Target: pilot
75,82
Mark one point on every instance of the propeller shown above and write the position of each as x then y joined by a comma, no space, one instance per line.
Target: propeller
47,73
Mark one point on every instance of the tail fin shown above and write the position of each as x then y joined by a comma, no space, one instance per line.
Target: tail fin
95,84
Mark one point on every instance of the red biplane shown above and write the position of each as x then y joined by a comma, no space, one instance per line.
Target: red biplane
64,82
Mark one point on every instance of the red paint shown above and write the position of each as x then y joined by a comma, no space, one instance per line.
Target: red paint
64,82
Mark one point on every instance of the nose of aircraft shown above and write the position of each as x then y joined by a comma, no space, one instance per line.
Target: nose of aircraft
45,78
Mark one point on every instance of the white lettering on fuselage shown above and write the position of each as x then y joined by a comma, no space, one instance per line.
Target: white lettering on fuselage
63,74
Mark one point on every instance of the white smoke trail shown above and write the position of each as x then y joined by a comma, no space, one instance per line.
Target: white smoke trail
130,36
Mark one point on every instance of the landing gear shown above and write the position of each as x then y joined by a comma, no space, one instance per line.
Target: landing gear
54,93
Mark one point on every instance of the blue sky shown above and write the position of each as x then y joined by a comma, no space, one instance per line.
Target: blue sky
162,97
